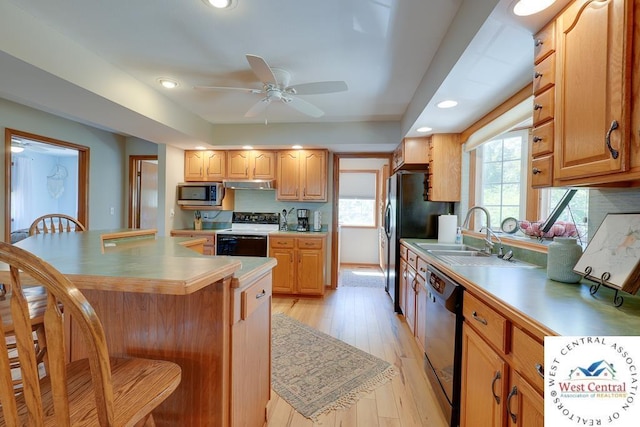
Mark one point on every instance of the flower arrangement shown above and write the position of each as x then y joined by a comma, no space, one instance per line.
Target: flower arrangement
559,228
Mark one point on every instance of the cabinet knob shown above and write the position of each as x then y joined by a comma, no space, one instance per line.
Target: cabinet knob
539,42
537,138
540,370
536,171
537,107
537,75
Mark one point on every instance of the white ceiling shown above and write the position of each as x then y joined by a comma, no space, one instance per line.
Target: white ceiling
98,62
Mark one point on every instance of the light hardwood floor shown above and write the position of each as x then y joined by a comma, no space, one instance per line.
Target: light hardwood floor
364,318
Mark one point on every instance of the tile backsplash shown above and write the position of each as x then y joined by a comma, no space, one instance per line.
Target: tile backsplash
604,201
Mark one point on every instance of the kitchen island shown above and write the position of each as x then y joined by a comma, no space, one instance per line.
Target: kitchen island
160,300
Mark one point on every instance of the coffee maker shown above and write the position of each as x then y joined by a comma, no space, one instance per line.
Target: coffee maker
303,220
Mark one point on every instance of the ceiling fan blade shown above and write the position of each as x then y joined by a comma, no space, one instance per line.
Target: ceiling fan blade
304,107
228,89
318,88
262,69
258,107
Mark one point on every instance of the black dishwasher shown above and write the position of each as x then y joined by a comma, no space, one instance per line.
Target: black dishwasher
443,339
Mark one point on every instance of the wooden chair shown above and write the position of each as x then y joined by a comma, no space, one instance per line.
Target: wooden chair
97,391
55,223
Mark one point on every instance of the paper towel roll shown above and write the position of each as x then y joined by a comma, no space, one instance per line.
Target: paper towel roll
447,225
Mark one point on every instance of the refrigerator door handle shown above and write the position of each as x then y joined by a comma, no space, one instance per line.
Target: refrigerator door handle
387,220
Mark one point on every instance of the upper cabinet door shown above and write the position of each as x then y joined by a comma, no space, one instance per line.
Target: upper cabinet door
593,89
288,176
264,165
193,165
313,175
215,165
238,164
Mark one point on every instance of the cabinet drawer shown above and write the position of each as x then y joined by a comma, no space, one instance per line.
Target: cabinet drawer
211,240
543,107
281,242
308,243
542,172
255,295
422,268
491,325
528,357
544,42
412,259
544,75
542,139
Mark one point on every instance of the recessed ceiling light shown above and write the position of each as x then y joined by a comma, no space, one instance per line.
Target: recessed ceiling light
221,4
297,147
247,147
529,7
168,83
424,129
447,104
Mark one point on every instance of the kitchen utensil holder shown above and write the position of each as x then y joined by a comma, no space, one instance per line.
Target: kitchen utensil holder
618,300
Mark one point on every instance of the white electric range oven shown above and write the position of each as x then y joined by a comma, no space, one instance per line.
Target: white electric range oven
248,235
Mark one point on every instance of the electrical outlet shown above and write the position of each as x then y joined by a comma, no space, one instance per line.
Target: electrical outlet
172,213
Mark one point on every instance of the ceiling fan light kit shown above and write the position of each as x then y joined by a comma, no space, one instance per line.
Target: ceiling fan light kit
530,7
275,88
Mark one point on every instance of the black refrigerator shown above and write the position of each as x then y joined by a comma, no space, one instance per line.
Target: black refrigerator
407,215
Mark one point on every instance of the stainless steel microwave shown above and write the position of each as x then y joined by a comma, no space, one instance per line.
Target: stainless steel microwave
200,193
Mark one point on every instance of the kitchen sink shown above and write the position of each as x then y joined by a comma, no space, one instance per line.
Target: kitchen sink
445,247
476,258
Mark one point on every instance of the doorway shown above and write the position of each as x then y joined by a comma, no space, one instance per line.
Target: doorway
350,163
43,175
143,192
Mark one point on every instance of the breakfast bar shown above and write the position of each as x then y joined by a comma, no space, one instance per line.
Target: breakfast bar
159,299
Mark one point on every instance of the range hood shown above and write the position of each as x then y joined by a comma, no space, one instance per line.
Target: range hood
249,184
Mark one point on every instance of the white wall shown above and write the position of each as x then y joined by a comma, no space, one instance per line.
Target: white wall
107,159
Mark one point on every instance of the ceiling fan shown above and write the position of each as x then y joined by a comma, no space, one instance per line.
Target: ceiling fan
275,87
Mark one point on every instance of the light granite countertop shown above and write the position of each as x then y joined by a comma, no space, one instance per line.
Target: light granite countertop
557,308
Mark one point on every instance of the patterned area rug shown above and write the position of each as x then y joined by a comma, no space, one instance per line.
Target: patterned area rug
317,373
361,277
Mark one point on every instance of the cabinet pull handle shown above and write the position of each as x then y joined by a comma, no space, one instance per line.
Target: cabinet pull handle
496,377
479,319
537,75
514,392
613,151
537,107
537,138
536,171
539,42
261,294
540,370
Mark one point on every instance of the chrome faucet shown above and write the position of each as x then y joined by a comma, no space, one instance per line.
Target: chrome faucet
488,243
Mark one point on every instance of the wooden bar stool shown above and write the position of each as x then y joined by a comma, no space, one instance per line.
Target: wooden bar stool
97,391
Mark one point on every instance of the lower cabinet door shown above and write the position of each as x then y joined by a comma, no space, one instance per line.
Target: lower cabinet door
525,406
483,383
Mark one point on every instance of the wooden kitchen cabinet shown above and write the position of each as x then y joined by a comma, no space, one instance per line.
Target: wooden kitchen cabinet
411,154
204,165
403,286
502,370
301,264
583,86
445,168
251,164
541,137
484,375
251,353
302,175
